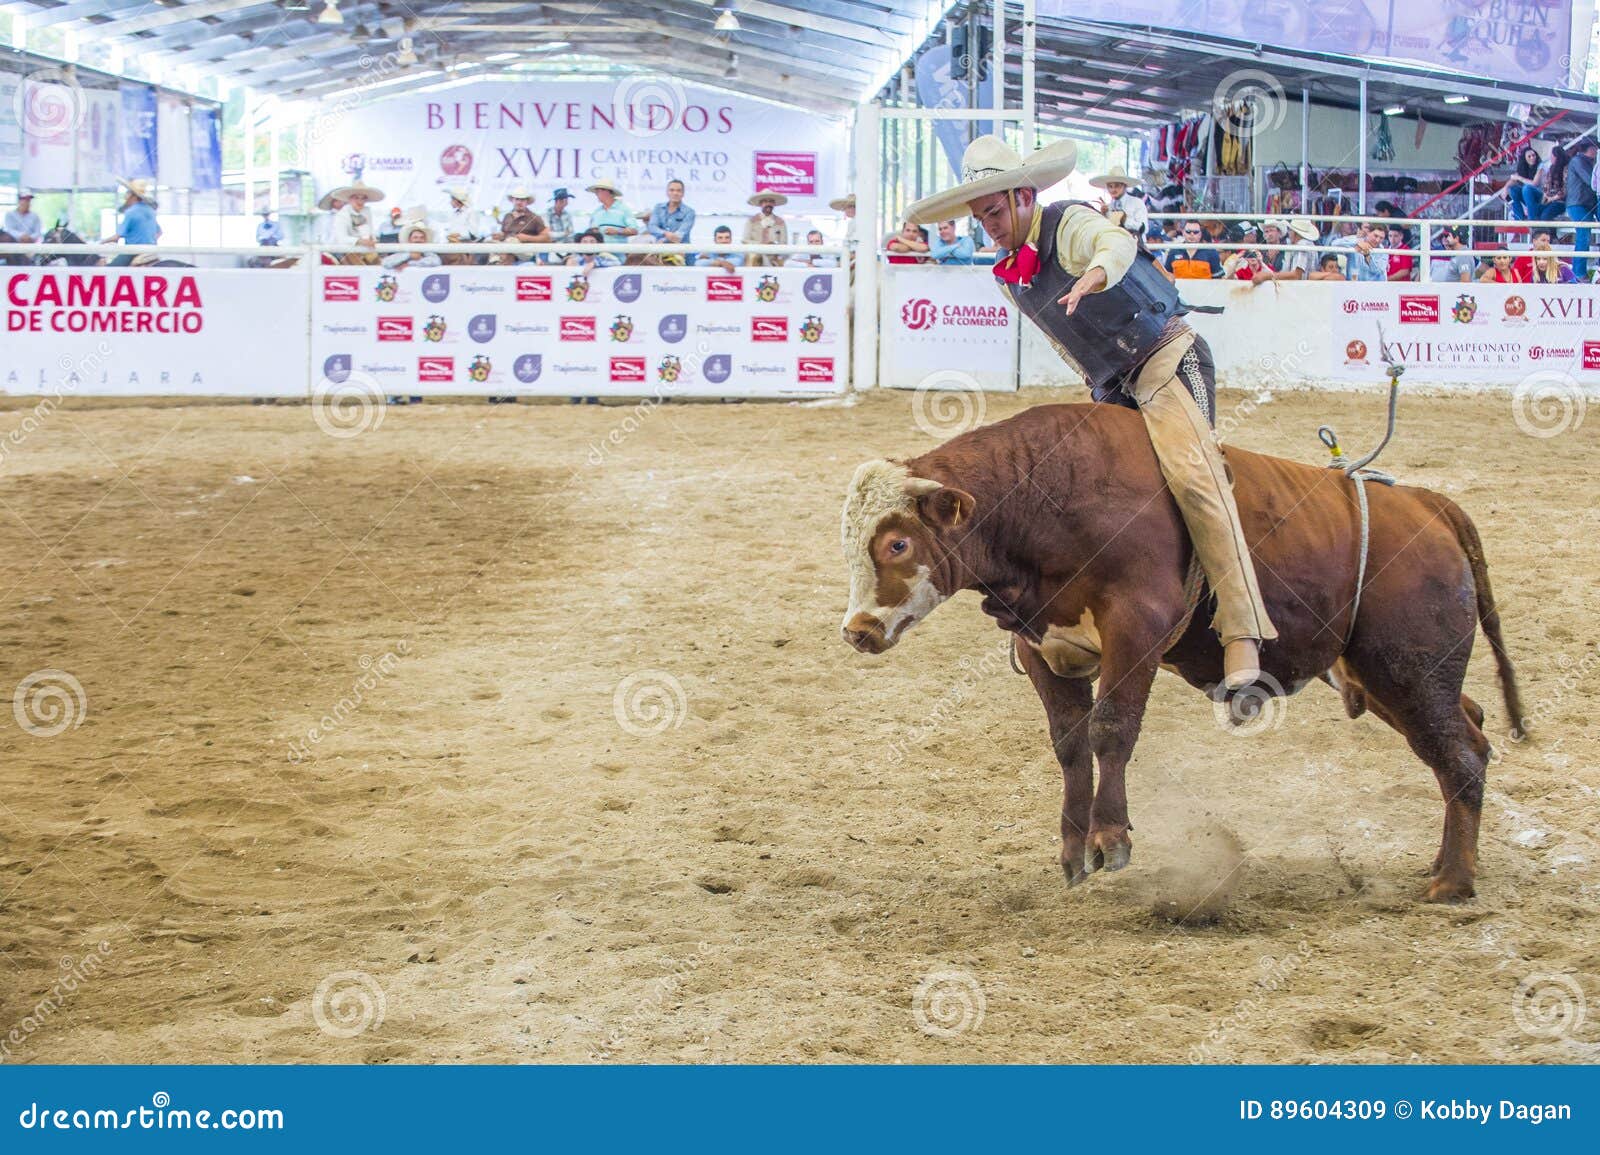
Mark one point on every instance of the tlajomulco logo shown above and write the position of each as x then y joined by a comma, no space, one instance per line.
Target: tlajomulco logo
627,287
482,328
336,368
718,368
673,327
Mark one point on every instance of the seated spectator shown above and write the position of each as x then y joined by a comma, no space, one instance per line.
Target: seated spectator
1545,267
908,246
1192,262
1297,263
390,234
1366,261
1218,233
1327,269
1499,270
416,231
1401,268
590,261
1248,265
269,233
1524,192
950,249
1457,263
814,238
726,261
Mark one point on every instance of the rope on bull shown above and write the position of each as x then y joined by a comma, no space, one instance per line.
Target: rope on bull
1360,472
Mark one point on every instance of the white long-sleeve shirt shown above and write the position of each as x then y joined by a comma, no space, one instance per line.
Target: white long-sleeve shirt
350,226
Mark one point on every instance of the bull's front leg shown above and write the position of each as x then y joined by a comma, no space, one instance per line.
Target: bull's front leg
1128,664
1067,702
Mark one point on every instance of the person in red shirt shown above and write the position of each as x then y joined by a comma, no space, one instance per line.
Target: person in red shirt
1401,268
909,246
1500,271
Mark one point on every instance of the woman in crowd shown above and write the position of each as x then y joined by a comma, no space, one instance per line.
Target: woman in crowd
908,246
1500,271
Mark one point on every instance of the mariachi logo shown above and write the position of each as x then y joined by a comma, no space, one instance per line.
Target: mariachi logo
578,288
815,369
818,287
436,368
769,328
577,328
436,288
724,288
479,369
627,368
388,288
434,329
482,328
533,288
626,288
528,367
673,328
394,328
341,288
1465,309
811,329
337,368
621,328
767,289
670,369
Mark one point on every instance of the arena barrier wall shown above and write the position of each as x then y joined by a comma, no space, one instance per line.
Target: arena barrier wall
945,326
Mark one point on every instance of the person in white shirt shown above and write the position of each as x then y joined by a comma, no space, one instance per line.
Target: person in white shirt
812,260
22,222
353,224
1123,204
463,222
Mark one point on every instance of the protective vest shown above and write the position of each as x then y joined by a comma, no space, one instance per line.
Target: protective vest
1111,332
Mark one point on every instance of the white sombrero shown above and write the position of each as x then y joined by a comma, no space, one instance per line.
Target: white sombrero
519,193
990,165
345,192
839,204
609,185
138,186
1304,229
459,192
1116,174
775,198
416,218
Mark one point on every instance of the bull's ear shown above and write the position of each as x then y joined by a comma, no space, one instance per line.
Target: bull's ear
946,507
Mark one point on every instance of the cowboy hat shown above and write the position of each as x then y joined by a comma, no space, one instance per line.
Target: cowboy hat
839,204
775,198
138,186
1304,229
416,219
519,193
24,194
990,165
609,186
560,194
345,192
326,203
1116,174
1278,223
459,192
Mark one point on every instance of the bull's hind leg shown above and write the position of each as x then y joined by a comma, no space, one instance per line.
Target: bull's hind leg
1127,669
1066,705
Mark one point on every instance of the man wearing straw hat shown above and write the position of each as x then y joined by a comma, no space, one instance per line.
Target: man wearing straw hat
463,223
1124,205
1110,313
613,220
766,227
138,225
1295,264
353,223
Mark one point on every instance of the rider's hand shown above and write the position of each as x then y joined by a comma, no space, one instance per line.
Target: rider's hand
1091,282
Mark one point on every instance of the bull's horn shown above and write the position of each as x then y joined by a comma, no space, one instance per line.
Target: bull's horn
920,487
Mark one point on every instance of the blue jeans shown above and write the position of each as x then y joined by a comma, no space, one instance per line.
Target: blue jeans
1528,204
1580,239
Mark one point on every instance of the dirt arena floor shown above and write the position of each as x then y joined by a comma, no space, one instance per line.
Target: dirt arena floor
526,733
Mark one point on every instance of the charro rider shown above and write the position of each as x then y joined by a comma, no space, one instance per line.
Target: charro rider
1101,301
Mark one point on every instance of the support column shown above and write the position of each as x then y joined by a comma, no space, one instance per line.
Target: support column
1305,148
1029,50
864,285
1361,178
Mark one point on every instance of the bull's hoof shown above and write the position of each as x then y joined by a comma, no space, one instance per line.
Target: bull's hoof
1074,876
1449,890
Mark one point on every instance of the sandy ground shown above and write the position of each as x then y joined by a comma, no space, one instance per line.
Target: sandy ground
606,785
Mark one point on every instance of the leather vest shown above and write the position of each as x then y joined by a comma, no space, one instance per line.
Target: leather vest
1112,332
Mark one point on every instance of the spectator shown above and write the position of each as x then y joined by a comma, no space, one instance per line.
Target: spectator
1171,230
22,222
560,222
908,246
1218,233
1273,230
1500,271
1192,262
390,234
591,261
1387,209
1457,263
1123,204
463,223
1299,261
415,231
1249,265
765,227
613,220
1327,269
1249,236
1401,267
138,226
1545,267
672,221
269,233
950,249
1581,200
1366,262
1523,191
522,226
813,260
353,225
846,205
724,260
1554,183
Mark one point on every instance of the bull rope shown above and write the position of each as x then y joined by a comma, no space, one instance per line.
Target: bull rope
1360,472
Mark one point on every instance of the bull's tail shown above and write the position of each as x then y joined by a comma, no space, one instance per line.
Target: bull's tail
1489,616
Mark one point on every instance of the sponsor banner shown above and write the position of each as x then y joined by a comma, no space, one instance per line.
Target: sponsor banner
539,331
131,332
50,113
947,328
491,136
1466,332
10,129
138,131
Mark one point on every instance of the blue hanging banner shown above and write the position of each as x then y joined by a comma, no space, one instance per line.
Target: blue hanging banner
138,132
937,88
205,141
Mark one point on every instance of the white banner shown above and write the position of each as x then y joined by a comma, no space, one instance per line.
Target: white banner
99,143
1467,332
51,110
548,330
174,154
946,327
640,132
168,331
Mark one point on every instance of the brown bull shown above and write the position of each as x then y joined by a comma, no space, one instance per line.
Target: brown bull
1059,516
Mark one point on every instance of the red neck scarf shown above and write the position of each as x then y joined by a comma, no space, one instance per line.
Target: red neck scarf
1020,267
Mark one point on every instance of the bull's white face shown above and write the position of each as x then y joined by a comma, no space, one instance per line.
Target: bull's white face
889,550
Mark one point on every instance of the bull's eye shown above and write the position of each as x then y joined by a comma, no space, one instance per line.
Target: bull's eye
899,545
